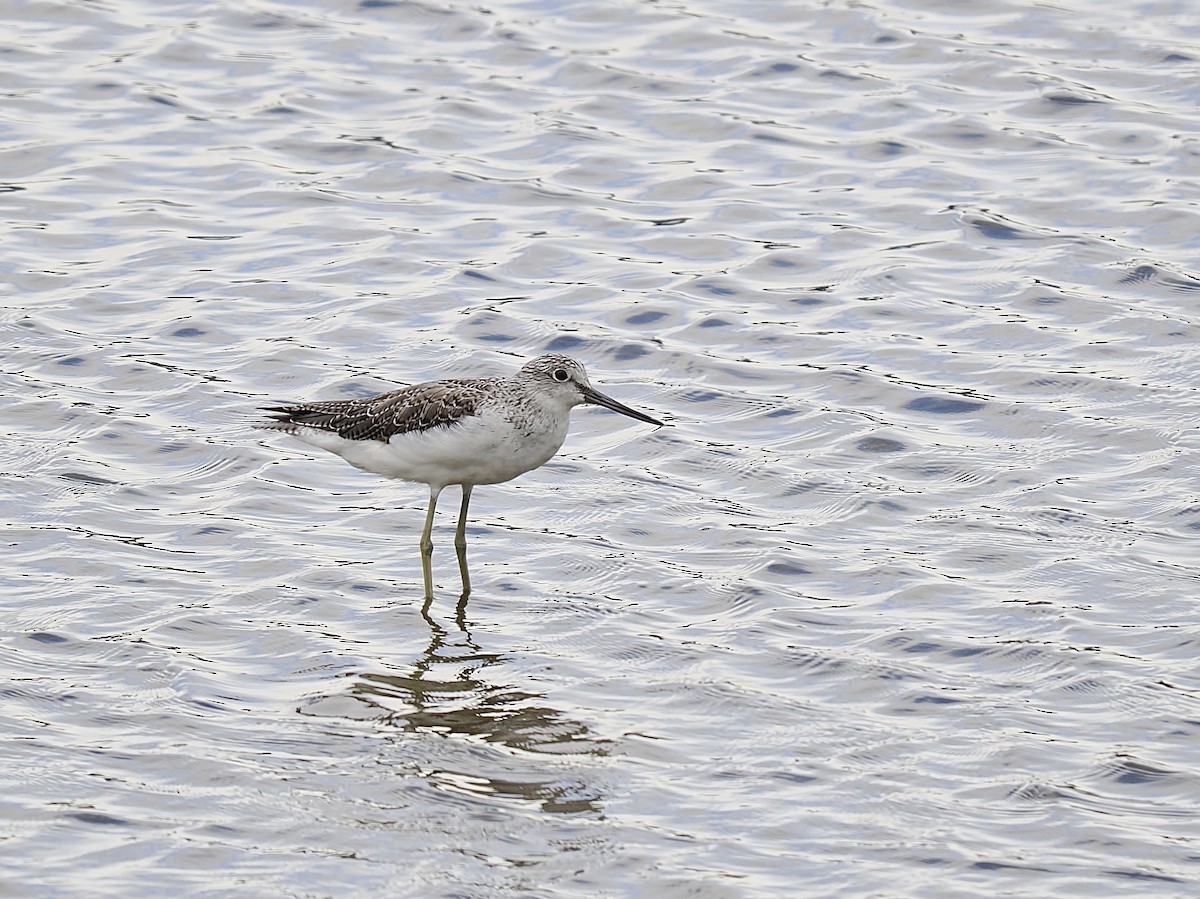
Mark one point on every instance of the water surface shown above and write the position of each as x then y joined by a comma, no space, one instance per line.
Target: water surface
901,605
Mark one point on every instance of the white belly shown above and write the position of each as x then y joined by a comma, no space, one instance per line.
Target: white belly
485,449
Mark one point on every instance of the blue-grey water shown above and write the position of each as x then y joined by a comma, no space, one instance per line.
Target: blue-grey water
903,605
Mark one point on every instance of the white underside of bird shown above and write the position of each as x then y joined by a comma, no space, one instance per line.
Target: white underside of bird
478,449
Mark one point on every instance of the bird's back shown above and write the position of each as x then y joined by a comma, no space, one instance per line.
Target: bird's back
421,407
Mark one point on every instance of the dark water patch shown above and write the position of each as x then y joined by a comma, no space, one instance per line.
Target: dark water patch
1130,771
943,405
999,230
44,637
1071,98
564,342
85,478
879,445
628,352
99,818
645,317
787,569
936,699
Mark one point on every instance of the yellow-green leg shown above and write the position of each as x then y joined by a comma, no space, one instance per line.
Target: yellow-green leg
460,540
427,544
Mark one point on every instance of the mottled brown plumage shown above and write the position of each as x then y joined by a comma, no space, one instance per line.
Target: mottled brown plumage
418,408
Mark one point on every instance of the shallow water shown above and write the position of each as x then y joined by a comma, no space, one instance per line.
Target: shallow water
901,605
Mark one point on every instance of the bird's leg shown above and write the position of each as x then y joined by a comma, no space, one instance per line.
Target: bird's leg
427,544
460,541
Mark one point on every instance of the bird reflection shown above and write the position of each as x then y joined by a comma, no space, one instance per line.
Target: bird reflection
446,692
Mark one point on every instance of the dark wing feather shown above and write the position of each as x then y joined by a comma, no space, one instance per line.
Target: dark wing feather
418,408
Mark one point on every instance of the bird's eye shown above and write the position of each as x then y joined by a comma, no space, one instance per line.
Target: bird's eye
560,375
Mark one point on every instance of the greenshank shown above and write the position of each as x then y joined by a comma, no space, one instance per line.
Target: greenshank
464,431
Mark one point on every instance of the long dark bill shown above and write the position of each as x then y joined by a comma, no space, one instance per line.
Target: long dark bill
595,397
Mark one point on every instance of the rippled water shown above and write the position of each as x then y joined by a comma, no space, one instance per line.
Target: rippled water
902,605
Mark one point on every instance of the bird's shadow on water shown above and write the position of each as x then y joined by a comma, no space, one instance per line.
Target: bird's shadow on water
455,689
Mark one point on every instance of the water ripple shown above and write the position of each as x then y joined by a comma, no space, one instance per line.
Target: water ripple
915,558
